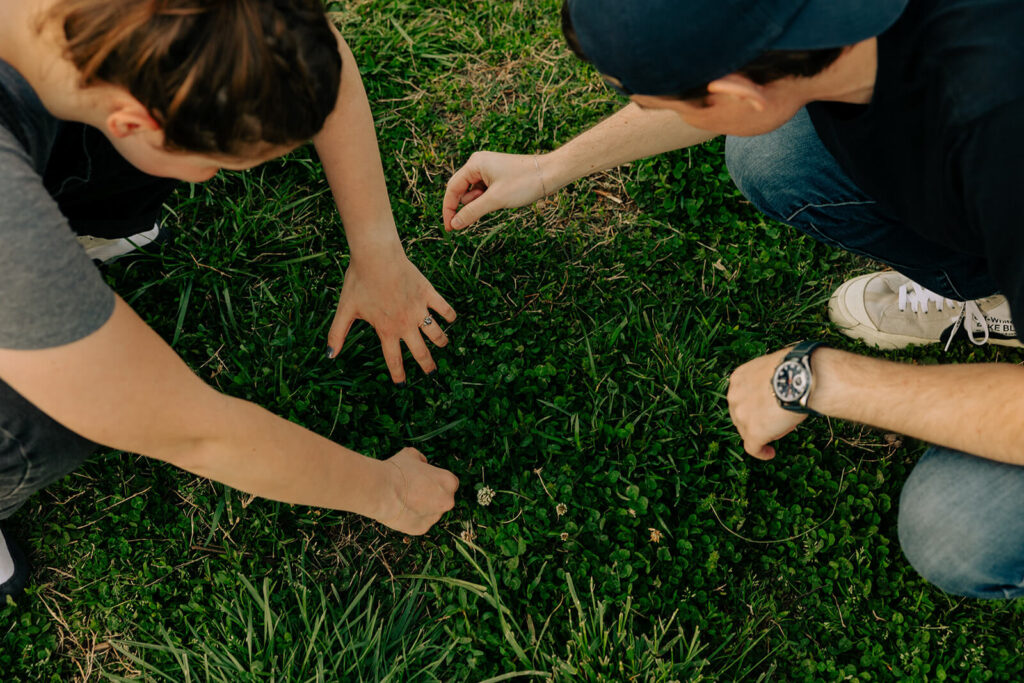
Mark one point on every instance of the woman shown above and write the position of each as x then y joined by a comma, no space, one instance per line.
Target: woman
180,89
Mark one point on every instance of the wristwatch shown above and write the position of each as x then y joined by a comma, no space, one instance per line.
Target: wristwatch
793,380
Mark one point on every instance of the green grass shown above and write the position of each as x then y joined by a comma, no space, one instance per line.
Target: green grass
629,537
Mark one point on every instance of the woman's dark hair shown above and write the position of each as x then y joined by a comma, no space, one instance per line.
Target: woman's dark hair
770,66
219,76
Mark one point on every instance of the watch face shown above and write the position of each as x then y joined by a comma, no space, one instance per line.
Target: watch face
791,381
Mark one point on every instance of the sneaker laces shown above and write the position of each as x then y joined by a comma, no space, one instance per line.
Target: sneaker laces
920,297
975,319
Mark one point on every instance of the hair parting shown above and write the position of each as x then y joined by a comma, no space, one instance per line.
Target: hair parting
219,76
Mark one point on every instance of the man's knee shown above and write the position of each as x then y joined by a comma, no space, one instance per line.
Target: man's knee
959,524
762,173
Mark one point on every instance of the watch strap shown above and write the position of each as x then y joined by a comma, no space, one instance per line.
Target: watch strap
804,348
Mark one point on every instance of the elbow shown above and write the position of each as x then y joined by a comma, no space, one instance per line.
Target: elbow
203,443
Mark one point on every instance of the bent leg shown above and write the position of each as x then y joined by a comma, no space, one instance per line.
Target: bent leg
961,524
789,175
35,450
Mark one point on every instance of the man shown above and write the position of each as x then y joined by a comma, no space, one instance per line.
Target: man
889,128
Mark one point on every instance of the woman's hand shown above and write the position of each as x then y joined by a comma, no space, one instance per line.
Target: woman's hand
417,494
389,292
491,181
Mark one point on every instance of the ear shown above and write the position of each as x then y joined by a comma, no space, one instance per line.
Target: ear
740,88
129,117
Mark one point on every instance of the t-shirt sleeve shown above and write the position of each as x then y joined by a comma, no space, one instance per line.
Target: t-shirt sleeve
50,292
992,174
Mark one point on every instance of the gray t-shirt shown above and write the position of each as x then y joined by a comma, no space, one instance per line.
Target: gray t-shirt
50,292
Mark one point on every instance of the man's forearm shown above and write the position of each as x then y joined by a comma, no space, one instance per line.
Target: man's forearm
973,408
630,134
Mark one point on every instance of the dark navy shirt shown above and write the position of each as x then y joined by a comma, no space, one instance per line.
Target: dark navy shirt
941,144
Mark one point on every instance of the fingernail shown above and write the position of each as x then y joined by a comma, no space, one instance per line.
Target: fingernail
330,352
400,385
456,222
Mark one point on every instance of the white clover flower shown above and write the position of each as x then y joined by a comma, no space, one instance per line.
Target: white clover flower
561,509
485,495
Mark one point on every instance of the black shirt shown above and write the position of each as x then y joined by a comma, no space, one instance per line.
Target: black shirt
941,145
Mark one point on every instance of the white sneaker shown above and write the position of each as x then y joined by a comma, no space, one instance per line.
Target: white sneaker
14,569
105,251
891,311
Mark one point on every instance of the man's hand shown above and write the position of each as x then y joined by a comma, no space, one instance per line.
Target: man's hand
754,409
391,294
418,493
491,181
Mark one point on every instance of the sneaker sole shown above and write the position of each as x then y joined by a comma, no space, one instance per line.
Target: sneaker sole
115,249
14,586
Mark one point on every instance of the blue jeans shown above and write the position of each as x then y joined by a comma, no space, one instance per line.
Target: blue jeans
34,450
961,517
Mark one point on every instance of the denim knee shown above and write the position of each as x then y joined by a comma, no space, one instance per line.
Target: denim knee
35,450
788,172
765,172
961,524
